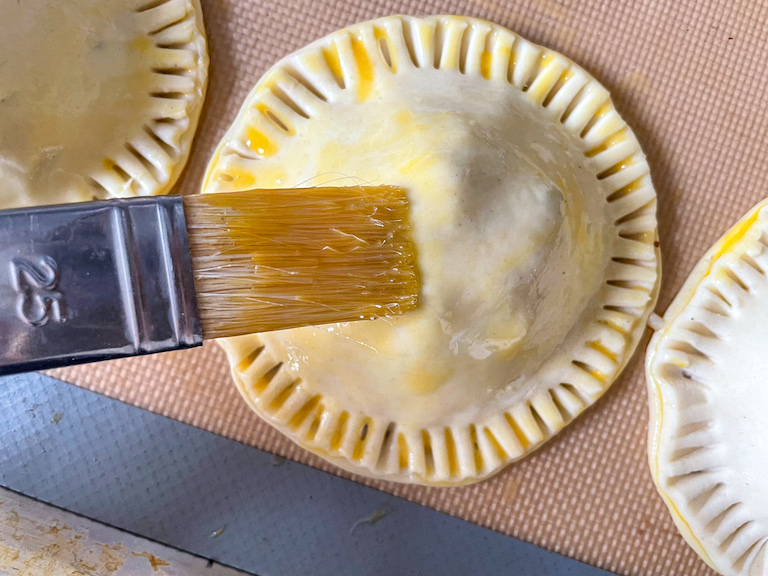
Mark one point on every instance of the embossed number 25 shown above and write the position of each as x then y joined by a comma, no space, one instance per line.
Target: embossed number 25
39,299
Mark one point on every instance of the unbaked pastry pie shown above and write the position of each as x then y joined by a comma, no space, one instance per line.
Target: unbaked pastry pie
706,373
534,219
98,98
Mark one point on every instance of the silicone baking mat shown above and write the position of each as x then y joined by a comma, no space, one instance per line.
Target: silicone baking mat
690,78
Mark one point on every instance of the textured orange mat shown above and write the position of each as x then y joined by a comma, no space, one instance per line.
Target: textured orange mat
690,79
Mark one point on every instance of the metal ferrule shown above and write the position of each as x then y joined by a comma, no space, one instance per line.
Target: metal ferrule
95,281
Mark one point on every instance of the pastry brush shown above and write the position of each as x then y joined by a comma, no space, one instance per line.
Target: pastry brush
107,279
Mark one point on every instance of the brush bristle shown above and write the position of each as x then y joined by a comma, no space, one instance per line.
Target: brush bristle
273,259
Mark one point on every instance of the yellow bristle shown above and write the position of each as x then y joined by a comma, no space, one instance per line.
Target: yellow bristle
273,259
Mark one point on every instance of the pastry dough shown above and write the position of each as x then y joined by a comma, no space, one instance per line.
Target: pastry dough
534,220
706,374
98,98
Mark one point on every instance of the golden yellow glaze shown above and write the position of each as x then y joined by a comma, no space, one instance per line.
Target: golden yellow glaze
485,64
332,59
259,143
365,69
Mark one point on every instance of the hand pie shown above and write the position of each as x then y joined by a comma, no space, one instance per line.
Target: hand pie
534,219
98,98
706,372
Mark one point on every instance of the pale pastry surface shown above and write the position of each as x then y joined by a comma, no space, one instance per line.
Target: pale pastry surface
98,98
534,219
706,372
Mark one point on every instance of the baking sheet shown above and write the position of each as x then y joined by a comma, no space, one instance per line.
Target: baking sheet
223,501
690,79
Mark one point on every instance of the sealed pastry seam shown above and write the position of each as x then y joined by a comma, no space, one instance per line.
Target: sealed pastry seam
348,68
155,155
112,105
706,405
